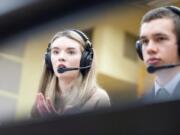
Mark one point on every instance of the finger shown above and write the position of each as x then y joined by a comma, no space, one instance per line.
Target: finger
51,106
42,104
39,98
40,110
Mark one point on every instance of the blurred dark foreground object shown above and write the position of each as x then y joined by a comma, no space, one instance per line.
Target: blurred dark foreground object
161,118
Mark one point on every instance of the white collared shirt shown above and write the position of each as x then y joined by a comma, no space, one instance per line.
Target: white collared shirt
170,86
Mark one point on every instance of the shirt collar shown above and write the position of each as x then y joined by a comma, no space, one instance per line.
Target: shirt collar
170,86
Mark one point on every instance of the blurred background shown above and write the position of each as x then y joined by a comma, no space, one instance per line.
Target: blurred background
27,26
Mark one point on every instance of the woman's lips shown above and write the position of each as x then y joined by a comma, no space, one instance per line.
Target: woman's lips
61,66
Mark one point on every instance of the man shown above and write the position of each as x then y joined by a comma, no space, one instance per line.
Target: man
159,48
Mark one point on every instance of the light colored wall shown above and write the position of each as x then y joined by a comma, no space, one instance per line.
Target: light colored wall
32,65
110,41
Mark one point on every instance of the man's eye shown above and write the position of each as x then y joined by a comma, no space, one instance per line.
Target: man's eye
161,39
144,42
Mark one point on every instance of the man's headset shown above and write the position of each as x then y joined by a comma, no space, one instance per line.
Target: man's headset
175,10
86,58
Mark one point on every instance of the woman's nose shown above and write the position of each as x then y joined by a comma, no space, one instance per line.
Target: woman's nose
61,56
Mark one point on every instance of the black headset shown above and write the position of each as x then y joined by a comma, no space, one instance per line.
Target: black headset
86,58
175,10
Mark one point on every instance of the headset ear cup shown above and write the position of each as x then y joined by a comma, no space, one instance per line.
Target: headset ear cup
48,61
178,42
86,60
87,55
176,10
179,49
139,49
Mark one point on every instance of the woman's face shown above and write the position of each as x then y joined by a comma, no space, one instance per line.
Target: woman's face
66,52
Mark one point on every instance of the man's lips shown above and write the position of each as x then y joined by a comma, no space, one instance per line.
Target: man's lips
153,61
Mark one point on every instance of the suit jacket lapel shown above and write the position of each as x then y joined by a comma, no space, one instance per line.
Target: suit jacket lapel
149,96
176,93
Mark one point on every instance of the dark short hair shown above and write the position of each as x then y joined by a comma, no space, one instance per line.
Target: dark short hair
164,12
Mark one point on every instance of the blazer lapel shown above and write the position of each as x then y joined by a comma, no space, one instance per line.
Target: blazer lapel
149,96
176,93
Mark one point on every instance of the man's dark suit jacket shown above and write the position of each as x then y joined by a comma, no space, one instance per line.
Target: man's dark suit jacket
149,97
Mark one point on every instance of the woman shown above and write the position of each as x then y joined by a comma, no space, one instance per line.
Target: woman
74,90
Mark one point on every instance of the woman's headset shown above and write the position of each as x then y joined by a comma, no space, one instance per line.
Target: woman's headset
86,58
175,10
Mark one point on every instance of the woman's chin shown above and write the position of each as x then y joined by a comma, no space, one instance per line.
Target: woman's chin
67,74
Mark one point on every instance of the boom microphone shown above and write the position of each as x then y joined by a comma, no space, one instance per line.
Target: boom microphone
64,69
152,69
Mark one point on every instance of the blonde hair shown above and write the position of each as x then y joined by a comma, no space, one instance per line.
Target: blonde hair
49,82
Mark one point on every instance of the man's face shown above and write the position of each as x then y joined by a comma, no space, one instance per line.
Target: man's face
159,43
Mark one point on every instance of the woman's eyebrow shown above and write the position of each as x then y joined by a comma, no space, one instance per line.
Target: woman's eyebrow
71,48
55,47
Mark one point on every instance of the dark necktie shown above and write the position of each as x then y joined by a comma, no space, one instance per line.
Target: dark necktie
162,94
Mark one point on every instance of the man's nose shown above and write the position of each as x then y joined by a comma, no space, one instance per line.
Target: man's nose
151,47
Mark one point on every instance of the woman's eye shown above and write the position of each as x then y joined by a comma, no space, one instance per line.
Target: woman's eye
55,52
71,52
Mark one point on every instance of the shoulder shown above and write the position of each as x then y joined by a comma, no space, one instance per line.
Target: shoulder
99,99
102,98
101,93
148,96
